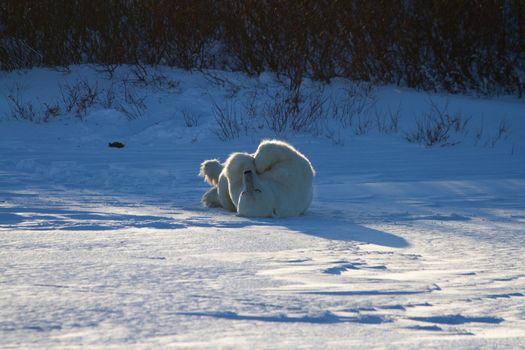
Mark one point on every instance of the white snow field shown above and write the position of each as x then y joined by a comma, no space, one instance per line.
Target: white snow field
405,246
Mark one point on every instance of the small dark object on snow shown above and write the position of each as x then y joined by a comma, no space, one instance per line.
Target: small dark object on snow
116,144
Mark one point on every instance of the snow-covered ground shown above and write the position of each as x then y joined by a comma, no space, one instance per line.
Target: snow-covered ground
405,246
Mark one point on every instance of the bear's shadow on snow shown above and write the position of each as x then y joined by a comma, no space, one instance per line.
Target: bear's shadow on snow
342,229
312,224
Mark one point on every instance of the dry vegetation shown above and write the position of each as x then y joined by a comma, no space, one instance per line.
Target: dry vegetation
472,45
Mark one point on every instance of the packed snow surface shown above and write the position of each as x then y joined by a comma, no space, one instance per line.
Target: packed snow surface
404,246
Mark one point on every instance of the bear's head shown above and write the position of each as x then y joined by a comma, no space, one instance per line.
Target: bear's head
257,199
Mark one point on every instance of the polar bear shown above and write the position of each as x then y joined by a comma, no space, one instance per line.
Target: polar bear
275,181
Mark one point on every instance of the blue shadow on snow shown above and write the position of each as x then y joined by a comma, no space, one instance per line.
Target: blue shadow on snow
325,318
313,224
340,229
48,219
458,319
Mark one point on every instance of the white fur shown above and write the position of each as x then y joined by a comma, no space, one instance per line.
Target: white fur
210,170
282,181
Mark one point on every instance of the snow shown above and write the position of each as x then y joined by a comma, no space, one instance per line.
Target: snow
404,246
